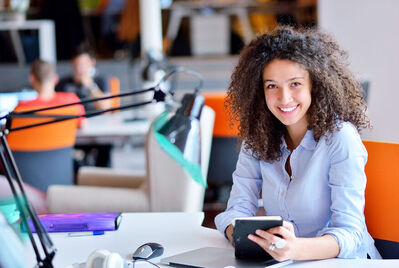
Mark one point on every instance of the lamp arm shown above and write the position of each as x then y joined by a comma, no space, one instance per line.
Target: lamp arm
60,118
10,169
183,70
88,100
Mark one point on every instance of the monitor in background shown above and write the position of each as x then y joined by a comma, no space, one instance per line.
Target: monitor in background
9,100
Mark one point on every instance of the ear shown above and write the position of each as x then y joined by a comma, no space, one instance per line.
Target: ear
56,79
32,79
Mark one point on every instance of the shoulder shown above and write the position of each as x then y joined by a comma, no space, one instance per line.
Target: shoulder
25,104
67,96
345,140
346,132
63,82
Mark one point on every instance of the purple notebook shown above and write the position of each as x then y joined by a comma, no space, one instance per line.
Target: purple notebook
79,222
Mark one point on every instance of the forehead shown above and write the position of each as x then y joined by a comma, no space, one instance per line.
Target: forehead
82,58
284,69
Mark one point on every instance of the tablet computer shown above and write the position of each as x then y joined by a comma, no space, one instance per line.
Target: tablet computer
246,249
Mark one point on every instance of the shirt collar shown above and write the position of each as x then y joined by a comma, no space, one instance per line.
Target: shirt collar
308,142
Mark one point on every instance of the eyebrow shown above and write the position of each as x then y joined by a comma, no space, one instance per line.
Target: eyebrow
294,78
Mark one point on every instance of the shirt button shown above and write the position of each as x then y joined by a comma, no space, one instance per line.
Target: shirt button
292,177
282,193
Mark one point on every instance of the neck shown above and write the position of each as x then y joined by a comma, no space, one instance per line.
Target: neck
46,92
295,135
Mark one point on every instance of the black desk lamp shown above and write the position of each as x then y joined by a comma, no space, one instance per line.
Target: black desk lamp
182,130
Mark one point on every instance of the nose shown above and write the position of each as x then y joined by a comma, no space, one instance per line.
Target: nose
285,96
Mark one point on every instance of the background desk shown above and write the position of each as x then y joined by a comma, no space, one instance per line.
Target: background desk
109,127
177,232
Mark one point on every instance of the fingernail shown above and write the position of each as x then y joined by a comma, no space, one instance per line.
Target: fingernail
258,232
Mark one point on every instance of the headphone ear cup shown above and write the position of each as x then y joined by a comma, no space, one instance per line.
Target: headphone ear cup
114,260
97,258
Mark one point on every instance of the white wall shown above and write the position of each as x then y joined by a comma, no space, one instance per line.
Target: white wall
369,31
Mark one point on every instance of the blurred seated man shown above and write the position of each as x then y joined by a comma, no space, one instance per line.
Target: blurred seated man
43,79
85,81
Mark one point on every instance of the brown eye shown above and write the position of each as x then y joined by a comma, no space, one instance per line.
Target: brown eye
296,84
270,86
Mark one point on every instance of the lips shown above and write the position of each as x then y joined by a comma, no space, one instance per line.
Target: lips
288,109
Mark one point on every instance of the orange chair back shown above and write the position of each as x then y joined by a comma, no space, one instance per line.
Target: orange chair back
46,137
222,127
115,88
382,191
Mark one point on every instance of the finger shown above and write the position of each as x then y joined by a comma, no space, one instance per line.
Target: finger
264,234
280,231
263,243
288,225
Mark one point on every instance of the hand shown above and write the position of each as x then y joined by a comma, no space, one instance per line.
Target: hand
229,233
85,79
265,239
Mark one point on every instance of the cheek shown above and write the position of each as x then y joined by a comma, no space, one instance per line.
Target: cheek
269,99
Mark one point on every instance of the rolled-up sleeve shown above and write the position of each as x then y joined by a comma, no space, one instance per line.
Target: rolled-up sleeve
247,182
347,181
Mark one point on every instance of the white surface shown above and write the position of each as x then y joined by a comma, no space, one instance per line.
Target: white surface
368,30
111,125
46,31
206,42
177,232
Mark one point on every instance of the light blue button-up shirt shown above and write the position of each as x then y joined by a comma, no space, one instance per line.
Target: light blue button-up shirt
325,195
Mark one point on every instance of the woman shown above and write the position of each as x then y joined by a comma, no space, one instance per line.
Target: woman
300,110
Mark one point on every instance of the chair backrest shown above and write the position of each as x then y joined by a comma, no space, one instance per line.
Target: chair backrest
115,88
170,186
222,127
224,152
382,196
46,137
44,154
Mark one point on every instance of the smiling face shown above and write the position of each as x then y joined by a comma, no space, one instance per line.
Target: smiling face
287,88
82,66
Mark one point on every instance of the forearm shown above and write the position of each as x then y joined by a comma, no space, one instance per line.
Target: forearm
316,248
100,105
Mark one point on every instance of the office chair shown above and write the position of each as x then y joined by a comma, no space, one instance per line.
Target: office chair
44,154
115,88
382,196
165,187
225,150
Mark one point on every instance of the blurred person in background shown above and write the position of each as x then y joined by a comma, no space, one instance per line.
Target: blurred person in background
85,81
43,78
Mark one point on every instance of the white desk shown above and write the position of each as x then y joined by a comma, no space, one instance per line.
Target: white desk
46,29
108,127
177,232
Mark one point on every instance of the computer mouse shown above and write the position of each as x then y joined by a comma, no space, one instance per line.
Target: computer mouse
148,251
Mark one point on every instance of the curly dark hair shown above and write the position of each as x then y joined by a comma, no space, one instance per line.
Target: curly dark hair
336,94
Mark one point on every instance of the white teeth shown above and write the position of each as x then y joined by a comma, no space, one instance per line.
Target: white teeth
288,109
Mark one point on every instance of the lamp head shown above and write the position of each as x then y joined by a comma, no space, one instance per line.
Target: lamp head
183,128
